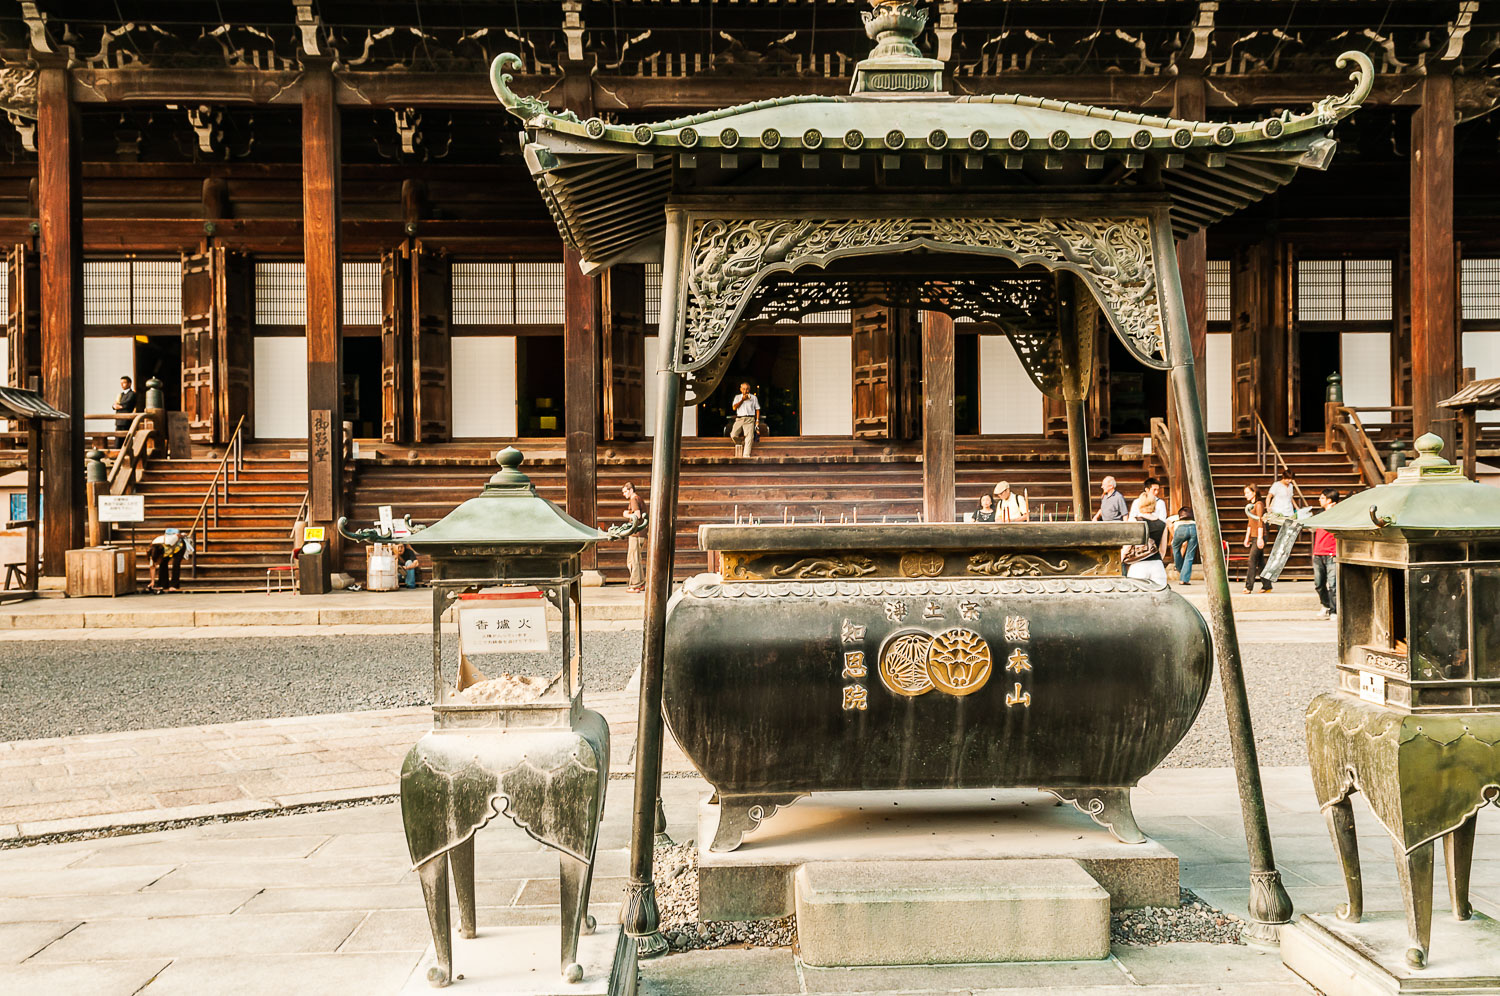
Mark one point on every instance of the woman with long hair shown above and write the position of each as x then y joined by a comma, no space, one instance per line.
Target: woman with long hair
1255,539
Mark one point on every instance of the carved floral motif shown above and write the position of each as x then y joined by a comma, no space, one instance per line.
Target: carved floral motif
729,258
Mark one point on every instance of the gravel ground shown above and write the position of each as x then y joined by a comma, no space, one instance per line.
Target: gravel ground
677,904
1194,920
1281,679
64,688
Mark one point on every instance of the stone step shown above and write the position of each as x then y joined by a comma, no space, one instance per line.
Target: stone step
949,912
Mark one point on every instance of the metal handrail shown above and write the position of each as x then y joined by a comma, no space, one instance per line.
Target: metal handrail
235,450
1263,442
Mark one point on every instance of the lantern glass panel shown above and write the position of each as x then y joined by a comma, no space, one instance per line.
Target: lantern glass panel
1440,623
1428,553
1486,624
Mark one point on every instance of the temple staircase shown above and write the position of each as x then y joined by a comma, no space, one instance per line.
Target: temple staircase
251,531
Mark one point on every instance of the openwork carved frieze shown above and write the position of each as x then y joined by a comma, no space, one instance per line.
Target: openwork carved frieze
917,564
730,258
708,586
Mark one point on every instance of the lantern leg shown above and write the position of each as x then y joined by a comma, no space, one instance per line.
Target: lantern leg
1414,870
461,861
1269,904
1340,817
573,877
1458,855
434,876
640,918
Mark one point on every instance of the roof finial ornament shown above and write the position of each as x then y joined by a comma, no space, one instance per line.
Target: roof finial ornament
892,25
896,64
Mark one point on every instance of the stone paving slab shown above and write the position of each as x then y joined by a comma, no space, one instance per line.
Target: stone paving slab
66,784
239,609
324,902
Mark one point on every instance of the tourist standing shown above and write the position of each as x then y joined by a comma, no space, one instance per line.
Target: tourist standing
1142,564
1255,539
1009,506
986,512
1112,505
635,514
746,418
1281,498
1325,578
1184,543
125,403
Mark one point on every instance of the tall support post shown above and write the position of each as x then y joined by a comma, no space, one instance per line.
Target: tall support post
1077,325
60,218
640,917
1269,903
321,249
581,392
1434,276
1190,103
939,501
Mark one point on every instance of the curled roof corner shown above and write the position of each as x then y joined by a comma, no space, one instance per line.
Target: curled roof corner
524,108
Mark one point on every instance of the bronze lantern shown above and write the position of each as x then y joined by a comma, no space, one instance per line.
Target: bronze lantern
527,748
1415,723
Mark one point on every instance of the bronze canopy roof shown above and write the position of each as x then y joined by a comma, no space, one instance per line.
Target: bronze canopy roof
607,183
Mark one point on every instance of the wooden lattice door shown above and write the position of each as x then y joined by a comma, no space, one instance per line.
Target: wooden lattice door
234,339
432,344
395,345
199,349
624,351
873,346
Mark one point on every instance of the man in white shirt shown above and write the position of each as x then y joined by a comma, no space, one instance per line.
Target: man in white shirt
746,418
1009,506
1151,489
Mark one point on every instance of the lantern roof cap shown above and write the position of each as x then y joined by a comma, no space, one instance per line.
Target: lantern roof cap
1428,494
507,515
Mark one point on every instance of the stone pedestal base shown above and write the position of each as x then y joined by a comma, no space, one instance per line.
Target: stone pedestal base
1369,958
949,912
521,961
755,881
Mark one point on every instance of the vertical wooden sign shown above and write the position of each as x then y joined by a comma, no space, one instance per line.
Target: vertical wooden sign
322,455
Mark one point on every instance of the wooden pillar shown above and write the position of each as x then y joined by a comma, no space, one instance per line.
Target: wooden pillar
321,253
938,484
581,392
1434,277
60,217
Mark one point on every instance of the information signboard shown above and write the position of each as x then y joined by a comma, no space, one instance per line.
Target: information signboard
122,508
514,624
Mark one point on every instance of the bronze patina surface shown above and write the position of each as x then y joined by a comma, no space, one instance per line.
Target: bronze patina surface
919,550
1077,683
543,764
1415,725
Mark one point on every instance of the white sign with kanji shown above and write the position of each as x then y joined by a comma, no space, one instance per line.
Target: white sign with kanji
506,626
122,508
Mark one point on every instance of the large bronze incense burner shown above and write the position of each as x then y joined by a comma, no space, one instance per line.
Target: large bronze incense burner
1048,219
933,655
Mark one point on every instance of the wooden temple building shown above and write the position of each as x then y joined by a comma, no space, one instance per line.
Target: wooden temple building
311,221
